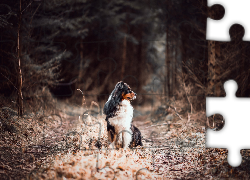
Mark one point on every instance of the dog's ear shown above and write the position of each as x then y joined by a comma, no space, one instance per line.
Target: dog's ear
120,85
114,99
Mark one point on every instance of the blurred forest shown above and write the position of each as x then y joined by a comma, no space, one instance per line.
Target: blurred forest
157,47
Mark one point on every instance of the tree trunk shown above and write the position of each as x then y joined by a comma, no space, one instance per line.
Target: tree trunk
243,70
20,79
166,63
173,68
168,67
80,74
217,69
214,86
175,71
124,54
141,60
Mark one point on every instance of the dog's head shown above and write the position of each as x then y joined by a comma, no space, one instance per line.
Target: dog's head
124,91
121,92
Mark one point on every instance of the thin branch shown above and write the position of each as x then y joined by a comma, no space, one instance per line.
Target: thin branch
83,99
95,103
34,13
9,81
175,111
198,83
184,87
27,7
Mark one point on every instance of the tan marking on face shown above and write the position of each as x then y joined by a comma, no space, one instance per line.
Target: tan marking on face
128,96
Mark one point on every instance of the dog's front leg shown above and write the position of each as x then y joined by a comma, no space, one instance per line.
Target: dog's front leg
111,138
112,145
119,140
126,139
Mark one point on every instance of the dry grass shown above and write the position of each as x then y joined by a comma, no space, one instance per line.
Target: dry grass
49,145
83,160
99,165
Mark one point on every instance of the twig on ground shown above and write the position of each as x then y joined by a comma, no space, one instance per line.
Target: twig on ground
175,112
83,100
95,103
191,107
188,117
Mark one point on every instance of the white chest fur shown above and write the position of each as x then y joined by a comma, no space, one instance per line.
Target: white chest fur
123,119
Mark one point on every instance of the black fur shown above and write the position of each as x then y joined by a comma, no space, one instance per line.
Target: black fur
111,130
110,109
136,137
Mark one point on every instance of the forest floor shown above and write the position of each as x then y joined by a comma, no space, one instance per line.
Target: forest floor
61,145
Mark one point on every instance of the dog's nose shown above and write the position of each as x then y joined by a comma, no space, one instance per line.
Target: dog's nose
135,94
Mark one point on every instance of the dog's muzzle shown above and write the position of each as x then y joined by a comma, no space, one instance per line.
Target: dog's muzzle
134,96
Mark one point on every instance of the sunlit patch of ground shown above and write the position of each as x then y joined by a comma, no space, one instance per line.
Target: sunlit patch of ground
101,165
83,159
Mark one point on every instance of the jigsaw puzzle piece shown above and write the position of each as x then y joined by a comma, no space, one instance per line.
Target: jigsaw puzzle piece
226,138
215,122
227,60
236,11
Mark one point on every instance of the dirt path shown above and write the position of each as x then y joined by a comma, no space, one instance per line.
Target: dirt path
177,146
26,149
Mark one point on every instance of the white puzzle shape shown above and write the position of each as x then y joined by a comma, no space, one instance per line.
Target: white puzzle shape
236,12
235,133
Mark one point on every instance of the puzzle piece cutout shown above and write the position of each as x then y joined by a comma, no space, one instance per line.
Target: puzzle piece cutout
225,138
235,12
